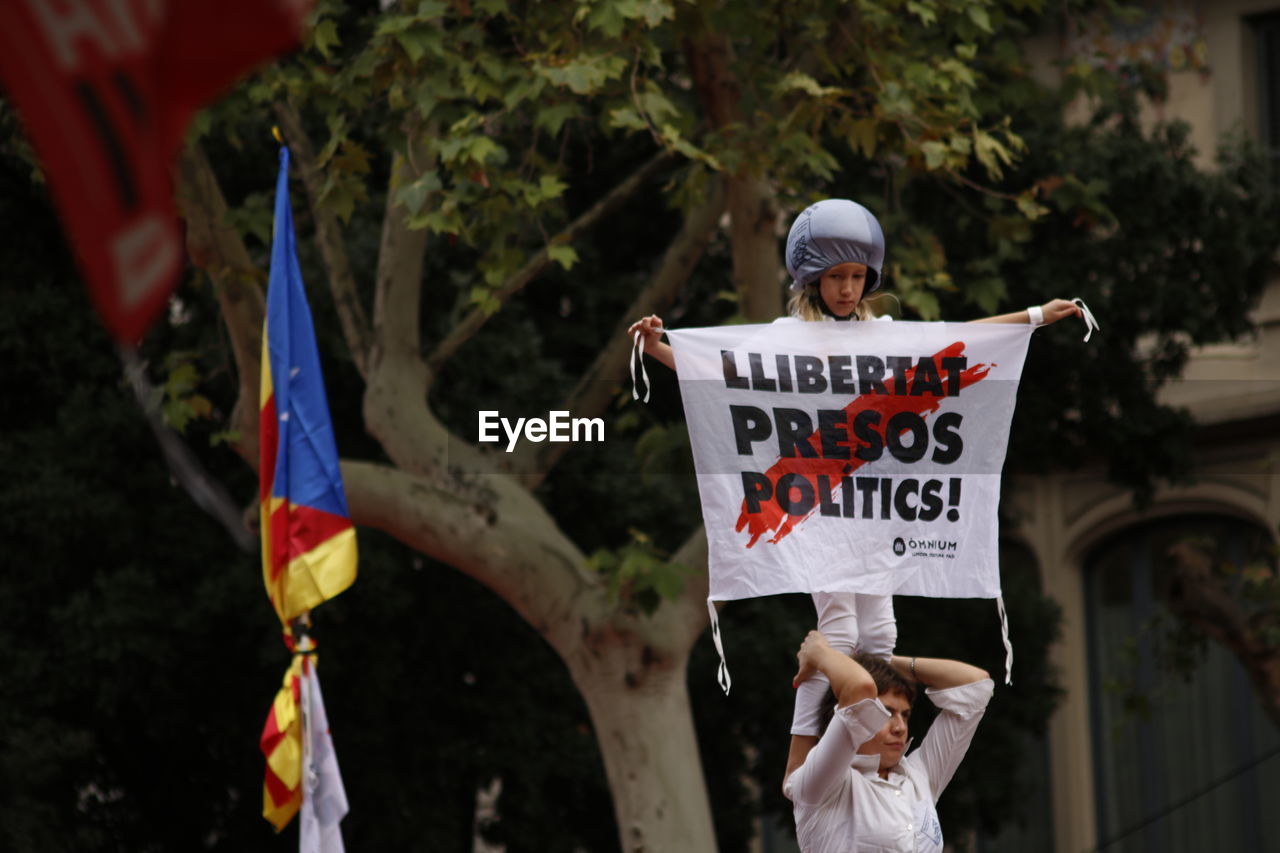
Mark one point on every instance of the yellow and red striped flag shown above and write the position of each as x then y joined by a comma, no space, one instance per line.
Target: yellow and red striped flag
281,743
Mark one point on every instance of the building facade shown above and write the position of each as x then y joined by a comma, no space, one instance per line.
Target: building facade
1139,757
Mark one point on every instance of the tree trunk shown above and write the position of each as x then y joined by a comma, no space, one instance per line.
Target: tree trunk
756,275
645,732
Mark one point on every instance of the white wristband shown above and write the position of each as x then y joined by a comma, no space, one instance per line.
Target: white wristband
1036,315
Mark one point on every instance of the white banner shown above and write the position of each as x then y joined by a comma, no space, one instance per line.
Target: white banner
858,457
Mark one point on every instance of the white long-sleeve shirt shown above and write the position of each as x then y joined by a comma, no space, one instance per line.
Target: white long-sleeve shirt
843,806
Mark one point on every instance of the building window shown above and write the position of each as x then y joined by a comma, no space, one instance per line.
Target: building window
1183,762
1266,35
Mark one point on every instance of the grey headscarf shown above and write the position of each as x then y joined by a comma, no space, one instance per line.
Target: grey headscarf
834,231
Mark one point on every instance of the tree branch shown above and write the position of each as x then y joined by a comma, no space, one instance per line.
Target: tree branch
397,299
686,617
396,412
355,324
595,389
1201,597
469,325
215,247
753,215
493,530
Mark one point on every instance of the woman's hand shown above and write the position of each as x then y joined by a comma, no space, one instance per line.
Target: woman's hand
814,647
1058,309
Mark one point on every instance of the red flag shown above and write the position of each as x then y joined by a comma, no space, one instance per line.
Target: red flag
105,89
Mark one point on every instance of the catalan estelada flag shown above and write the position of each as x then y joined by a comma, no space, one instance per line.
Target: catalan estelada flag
308,541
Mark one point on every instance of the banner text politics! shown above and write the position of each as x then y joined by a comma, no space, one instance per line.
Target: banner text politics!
874,424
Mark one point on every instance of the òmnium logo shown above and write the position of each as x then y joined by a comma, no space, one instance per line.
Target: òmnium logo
899,547
926,547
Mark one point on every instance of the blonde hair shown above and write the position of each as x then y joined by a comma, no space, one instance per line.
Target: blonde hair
807,305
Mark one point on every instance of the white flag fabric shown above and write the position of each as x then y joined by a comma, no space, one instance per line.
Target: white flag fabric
851,457
324,799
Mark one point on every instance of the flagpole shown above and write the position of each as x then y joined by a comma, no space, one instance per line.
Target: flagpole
306,648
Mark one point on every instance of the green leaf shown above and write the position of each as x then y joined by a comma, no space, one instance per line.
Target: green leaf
980,18
420,41
607,18
935,154
324,37
585,74
987,292
392,24
656,105
923,10
553,118
354,159
625,118
799,81
563,254
862,136
668,581
549,187
1029,207
990,153
430,10
414,195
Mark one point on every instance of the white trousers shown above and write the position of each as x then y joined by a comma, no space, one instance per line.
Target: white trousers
849,621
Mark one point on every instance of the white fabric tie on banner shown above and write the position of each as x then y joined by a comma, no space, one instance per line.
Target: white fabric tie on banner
1090,323
637,354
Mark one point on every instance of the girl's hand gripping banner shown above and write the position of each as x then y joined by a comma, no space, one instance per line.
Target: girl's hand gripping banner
858,457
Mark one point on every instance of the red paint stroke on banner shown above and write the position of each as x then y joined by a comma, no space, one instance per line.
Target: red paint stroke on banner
772,517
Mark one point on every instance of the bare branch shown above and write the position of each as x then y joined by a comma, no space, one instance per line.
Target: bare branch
591,395
472,323
215,247
355,324
491,529
395,400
